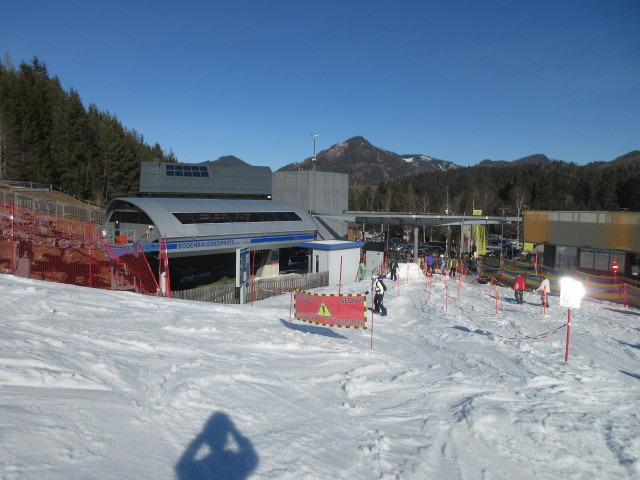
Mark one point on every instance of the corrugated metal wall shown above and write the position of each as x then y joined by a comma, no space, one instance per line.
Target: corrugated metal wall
314,191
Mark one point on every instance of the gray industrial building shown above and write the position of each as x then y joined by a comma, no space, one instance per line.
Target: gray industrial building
204,180
319,193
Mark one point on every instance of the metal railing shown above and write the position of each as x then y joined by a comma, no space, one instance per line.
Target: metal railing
259,289
54,208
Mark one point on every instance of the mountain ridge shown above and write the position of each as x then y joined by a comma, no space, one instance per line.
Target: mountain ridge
368,164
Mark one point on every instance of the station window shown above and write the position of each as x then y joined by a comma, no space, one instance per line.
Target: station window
236,217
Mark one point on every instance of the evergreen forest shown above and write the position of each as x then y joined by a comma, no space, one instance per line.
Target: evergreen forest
602,186
48,136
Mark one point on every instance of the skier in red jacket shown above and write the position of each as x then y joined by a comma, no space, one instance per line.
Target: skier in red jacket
519,287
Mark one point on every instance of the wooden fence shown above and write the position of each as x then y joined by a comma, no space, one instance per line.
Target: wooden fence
259,289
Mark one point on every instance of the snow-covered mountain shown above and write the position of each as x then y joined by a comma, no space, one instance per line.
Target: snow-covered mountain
425,162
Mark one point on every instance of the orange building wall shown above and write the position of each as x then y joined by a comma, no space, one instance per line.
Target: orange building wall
605,230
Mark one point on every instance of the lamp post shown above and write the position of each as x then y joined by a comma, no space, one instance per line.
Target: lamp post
313,159
502,235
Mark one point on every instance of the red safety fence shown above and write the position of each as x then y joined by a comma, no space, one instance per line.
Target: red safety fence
45,247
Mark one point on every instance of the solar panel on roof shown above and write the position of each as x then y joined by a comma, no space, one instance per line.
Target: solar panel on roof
179,170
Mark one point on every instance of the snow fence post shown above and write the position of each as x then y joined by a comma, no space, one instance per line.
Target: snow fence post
291,302
566,353
372,315
446,297
340,281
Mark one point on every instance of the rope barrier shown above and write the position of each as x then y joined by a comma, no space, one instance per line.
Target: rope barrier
519,335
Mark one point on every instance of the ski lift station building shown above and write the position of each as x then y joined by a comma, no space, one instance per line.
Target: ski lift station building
202,235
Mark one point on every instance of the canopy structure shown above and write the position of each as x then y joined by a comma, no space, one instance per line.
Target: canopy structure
417,220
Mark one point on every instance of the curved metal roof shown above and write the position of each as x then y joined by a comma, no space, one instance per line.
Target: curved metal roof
160,211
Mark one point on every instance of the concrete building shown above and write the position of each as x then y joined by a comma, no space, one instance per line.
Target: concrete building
318,193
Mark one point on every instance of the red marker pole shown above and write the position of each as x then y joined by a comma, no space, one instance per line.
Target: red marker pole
566,353
446,296
89,253
11,236
340,281
253,277
291,303
497,295
372,315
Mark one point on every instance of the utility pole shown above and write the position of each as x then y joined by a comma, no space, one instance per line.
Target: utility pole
313,159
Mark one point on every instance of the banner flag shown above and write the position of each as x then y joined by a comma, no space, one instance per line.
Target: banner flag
480,236
332,310
465,239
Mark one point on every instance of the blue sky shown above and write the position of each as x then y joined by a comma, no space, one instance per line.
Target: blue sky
461,81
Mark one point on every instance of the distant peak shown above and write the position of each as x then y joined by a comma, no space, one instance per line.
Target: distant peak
227,160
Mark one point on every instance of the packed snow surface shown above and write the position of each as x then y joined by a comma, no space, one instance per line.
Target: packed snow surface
113,385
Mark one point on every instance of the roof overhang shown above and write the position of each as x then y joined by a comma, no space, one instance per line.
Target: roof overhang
417,220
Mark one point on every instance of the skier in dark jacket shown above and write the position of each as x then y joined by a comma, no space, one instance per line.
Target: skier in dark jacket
393,266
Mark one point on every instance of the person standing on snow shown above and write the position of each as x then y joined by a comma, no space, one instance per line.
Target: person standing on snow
544,289
519,287
431,263
378,289
394,267
453,265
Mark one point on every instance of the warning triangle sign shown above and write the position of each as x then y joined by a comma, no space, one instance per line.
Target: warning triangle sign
323,311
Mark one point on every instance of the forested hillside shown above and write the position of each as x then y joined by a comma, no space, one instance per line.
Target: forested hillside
48,136
557,185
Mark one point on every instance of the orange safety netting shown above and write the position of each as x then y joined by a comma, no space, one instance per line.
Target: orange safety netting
45,247
616,288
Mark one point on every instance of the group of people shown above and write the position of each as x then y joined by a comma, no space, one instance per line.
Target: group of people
520,285
442,263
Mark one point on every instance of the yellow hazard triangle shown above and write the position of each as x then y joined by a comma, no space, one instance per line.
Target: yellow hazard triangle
323,311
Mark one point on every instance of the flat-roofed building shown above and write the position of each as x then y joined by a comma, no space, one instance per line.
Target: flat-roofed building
204,180
585,240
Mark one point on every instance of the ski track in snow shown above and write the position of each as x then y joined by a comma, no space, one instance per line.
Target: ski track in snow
97,384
